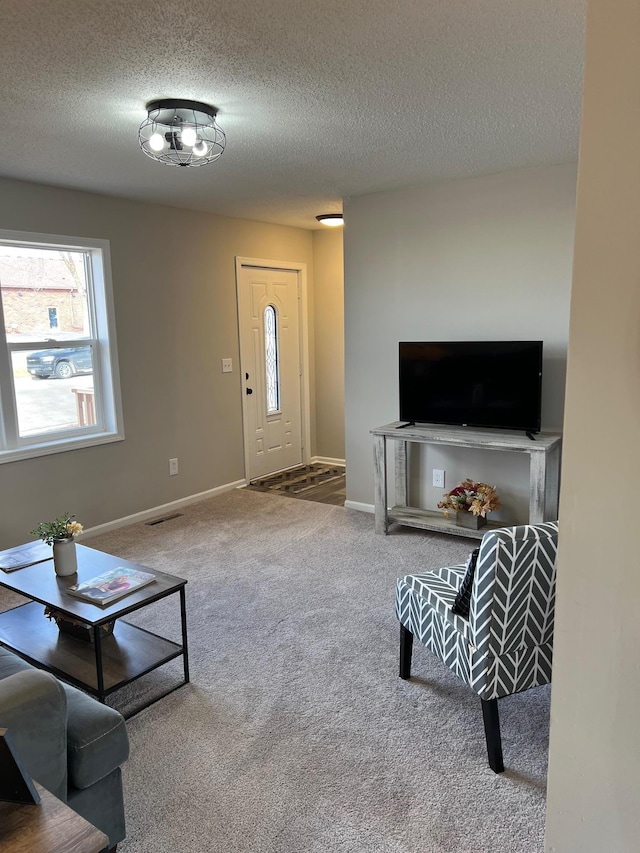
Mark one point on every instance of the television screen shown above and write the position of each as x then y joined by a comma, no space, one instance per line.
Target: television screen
496,384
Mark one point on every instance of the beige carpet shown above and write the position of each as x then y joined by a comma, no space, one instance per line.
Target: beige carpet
296,734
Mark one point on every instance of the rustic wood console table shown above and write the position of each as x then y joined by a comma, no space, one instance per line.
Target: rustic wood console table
544,473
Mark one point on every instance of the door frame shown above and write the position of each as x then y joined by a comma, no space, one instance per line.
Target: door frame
303,325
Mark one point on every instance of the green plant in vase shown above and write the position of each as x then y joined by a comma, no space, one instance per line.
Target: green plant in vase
60,533
62,527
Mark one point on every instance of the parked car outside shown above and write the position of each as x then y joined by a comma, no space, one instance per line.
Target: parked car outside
60,362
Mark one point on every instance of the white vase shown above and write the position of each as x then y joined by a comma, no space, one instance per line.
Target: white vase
64,557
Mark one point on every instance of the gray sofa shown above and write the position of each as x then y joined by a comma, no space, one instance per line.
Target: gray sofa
70,743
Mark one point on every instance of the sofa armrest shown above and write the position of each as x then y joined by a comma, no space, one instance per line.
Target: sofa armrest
97,740
33,707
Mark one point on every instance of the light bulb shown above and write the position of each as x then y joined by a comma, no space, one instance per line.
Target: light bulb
188,136
156,141
201,148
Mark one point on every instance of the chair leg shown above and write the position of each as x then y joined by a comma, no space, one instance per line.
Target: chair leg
406,647
492,734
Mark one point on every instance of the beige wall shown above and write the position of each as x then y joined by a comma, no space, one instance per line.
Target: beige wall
485,258
594,771
329,341
175,301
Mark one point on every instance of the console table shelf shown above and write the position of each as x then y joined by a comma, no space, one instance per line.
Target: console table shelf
427,519
544,472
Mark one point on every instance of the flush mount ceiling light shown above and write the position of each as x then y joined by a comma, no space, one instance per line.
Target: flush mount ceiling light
332,219
181,133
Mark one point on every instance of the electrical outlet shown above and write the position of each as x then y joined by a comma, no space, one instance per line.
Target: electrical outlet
438,478
173,467
227,365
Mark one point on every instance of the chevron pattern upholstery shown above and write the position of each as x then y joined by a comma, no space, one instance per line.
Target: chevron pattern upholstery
505,645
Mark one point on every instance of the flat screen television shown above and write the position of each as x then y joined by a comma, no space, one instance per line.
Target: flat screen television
494,384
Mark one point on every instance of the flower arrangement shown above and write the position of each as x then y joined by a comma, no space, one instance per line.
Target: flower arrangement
63,527
476,498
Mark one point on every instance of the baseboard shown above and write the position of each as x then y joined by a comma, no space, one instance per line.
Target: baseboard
158,510
359,506
325,460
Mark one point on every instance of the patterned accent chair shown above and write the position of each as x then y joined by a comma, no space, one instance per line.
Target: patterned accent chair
505,645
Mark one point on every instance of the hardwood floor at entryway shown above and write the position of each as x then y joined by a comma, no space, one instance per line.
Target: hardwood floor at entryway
320,483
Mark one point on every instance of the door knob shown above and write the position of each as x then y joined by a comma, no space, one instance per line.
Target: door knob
249,390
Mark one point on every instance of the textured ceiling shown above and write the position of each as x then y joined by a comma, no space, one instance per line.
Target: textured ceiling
319,101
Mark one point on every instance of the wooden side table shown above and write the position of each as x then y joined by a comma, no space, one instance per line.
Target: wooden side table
50,827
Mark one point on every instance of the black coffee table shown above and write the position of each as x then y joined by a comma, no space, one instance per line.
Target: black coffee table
109,662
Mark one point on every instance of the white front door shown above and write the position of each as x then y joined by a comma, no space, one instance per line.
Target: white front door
270,361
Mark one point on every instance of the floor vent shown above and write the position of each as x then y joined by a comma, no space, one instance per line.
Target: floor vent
164,518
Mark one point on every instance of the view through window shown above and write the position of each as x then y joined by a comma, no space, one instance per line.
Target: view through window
58,372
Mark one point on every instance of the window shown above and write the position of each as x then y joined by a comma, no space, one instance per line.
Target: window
272,359
59,384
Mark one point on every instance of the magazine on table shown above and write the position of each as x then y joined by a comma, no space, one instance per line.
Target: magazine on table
111,585
24,555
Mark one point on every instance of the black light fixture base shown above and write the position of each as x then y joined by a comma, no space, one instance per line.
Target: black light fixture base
177,104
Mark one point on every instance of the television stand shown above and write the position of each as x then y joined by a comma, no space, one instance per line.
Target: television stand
544,473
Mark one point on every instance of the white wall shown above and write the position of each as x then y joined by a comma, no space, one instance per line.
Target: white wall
329,341
485,258
594,767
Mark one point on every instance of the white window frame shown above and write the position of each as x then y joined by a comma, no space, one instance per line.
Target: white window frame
102,339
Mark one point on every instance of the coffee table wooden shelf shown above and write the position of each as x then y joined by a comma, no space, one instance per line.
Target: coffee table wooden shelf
109,662
126,655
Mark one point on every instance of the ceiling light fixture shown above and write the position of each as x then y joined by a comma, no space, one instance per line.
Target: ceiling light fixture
332,219
181,133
